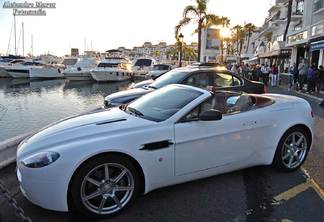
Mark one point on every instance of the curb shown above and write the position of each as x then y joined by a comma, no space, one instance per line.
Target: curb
302,93
8,148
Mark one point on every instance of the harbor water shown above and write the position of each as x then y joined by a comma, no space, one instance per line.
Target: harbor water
26,105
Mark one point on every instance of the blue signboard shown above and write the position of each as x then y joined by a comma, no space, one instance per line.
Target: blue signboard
317,46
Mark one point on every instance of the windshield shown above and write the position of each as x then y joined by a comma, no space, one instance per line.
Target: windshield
163,103
172,77
143,62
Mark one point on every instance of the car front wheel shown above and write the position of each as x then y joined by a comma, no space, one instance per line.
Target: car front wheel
292,150
105,186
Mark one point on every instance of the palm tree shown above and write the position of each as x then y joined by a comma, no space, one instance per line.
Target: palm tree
156,53
189,52
249,28
203,19
236,35
172,51
225,23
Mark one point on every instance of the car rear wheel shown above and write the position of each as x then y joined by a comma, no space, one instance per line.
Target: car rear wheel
292,150
105,186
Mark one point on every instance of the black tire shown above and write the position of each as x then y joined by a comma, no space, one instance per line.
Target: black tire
292,150
110,182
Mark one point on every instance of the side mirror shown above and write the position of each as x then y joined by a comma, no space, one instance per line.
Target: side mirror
210,115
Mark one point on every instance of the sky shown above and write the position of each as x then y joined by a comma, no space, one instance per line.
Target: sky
102,25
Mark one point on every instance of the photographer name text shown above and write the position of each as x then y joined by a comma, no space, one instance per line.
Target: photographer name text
36,9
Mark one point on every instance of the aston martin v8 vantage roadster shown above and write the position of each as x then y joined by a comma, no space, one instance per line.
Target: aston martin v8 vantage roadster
100,161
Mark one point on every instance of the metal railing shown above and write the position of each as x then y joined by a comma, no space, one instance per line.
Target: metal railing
318,5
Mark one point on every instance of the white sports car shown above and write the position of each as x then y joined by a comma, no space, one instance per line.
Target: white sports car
99,161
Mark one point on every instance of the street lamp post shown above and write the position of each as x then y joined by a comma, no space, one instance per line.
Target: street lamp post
180,40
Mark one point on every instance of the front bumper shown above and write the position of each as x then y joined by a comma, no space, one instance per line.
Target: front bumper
48,195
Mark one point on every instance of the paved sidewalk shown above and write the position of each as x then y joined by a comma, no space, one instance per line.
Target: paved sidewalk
316,96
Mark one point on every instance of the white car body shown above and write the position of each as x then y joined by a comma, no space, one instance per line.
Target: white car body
243,140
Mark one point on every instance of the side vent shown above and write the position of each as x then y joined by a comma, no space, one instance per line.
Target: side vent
157,145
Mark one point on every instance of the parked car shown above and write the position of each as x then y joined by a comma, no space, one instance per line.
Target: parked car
100,161
201,76
157,71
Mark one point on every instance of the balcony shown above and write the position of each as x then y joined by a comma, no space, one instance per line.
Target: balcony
297,15
319,7
280,17
275,8
267,28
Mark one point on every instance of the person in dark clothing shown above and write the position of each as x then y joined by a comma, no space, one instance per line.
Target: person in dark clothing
292,73
319,78
311,79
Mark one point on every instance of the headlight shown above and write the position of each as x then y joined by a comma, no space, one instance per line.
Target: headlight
40,159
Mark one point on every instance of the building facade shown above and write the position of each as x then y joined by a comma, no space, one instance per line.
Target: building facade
304,34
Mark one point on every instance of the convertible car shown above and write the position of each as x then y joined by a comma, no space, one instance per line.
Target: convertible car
98,162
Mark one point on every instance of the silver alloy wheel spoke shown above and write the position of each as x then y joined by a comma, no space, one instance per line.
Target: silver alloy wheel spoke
117,201
287,155
106,172
95,194
102,204
116,180
97,183
300,140
123,188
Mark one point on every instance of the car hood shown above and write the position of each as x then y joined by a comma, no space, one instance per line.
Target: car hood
90,126
133,93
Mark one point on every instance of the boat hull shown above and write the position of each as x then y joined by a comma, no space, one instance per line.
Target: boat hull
18,74
4,73
110,75
78,75
46,73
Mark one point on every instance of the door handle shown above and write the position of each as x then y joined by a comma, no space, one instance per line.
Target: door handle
249,123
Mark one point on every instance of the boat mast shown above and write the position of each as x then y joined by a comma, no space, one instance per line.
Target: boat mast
32,53
15,34
23,39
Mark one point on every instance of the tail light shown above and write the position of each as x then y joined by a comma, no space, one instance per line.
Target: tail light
312,113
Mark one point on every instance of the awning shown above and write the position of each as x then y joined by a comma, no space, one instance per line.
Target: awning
252,59
317,46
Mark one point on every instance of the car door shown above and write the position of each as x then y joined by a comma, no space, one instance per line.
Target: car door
198,79
228,81
202,145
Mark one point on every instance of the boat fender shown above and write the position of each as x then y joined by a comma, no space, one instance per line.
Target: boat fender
59,71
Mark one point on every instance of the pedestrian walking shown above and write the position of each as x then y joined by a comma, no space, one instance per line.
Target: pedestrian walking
303,71
265,73
273,76
258,69
292,73
239,70
319,78
229,66
234,69
311,79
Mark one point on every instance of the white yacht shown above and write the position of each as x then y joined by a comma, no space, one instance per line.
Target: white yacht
22,71
69,62
47,71
81,70
112,69
143,66
14,62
